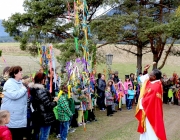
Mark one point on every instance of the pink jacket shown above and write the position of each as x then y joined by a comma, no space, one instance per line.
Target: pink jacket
5,133
126,86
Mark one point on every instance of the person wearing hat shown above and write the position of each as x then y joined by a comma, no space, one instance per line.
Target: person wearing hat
116,78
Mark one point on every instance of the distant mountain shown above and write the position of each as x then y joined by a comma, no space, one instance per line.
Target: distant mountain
2,32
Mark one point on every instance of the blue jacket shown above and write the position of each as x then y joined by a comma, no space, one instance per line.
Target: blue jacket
131,94
15,101
113,90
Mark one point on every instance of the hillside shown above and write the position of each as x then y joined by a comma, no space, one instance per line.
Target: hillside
2,32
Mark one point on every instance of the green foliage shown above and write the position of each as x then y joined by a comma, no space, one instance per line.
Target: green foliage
68,51
45,21
141,23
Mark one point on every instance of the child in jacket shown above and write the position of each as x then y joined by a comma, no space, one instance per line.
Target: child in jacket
5,133
64,113
130,97
91,115
109,101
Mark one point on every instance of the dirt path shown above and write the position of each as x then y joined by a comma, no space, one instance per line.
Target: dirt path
123,125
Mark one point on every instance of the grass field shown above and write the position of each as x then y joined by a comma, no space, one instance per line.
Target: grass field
9,44
127,68
123,62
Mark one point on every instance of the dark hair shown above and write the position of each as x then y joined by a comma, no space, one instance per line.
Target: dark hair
99,75
6,69
127,78
52,69
64,88
14,70
131,74
129,85
39,77
110,81
140,73
157,73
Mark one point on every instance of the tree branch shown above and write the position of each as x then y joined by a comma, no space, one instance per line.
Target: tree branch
123,40
89,19
152,46
57,34
161,5
146,52
126,50
167,54
102,45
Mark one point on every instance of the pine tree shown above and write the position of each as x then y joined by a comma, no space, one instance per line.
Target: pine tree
47,21
140,23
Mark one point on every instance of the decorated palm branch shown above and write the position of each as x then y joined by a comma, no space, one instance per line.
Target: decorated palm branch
78,70
47,61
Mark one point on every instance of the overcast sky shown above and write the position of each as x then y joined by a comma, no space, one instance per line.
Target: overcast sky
9,7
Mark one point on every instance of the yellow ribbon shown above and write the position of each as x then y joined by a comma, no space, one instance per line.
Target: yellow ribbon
60,93
69,91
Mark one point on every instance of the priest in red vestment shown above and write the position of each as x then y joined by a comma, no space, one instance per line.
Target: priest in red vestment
149,111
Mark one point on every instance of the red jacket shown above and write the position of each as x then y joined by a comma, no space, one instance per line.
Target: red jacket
5,134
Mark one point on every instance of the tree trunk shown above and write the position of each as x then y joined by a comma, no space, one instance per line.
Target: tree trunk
167,54
155,59
139,59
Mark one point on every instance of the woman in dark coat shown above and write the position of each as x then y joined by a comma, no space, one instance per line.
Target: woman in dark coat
101,92
43,115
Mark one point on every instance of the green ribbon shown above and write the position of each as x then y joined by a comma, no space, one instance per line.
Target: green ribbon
38,46
76,44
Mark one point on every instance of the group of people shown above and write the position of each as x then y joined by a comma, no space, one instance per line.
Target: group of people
114,92
30,109
171,89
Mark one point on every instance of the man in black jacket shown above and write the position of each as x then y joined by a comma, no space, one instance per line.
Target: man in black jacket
101,92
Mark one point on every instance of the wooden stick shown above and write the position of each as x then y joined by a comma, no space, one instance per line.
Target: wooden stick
83,118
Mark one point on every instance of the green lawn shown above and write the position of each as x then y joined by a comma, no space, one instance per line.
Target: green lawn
123,126
127,68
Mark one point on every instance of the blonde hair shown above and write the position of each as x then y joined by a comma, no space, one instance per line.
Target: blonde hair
3,114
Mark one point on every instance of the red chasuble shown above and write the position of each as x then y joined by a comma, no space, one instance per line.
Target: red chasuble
152,95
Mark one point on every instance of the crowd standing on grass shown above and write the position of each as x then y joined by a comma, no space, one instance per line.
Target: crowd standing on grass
29,109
